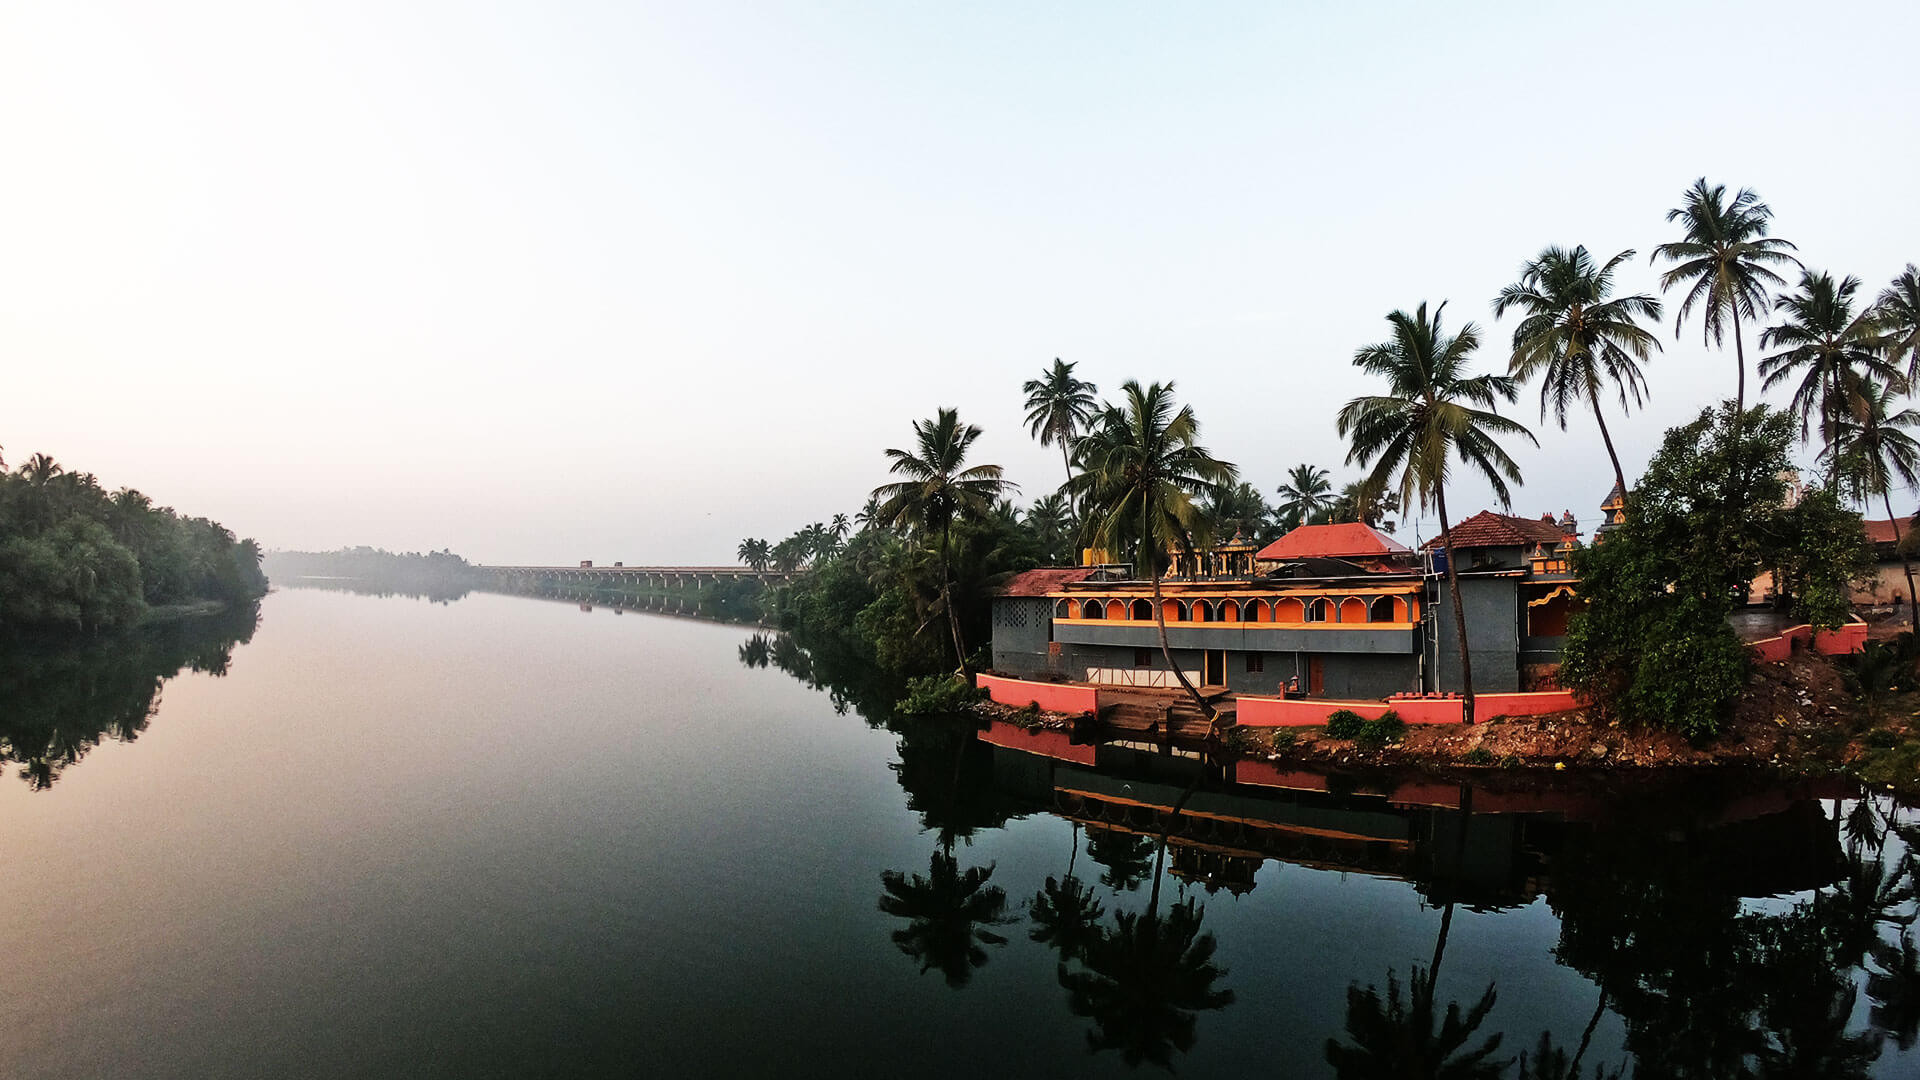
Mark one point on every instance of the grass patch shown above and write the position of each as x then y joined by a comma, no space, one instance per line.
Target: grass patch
1479,755
933,695
1381,730
1284,738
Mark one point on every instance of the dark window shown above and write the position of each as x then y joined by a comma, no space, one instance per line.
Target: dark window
1256,663
1143,658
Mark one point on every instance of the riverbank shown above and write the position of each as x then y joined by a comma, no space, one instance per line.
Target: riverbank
1797,716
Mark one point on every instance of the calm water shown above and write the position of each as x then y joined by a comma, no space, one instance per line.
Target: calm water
505,837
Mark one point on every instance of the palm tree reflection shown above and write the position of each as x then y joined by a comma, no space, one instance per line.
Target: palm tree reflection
1392,1037
948,913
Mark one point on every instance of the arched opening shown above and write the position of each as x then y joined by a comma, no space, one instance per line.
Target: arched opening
1353,609
1321,610
1116,610
1202,611
1229,611
1172,611
1289,610
1092,609
1142,611
1382,610
1063,609
1259,611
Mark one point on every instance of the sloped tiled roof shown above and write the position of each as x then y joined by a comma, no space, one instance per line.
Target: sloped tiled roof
1344,541
1880,532
1488,529
1043,581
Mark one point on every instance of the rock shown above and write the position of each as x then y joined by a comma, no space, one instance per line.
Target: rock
1599,749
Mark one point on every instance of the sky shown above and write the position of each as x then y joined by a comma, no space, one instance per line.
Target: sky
542,282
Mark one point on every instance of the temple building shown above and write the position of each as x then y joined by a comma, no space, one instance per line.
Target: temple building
1341,611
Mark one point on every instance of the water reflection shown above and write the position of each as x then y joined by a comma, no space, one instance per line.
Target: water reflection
1668,894
62,701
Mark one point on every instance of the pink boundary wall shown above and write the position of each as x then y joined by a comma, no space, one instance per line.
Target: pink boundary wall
1053,697
1850,638
1303,712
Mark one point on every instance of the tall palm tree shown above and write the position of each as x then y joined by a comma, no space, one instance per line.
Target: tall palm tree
1725,258
1360,502
1059,407
1066,915
839,527
1050,520
1145,469
1432,410
40,470
1831,348
755,553
1576,335
1306,494
939,487
1897,310
1872,449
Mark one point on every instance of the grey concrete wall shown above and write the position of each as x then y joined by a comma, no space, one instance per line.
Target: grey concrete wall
1021,631
1342,676
1493,633
1358,638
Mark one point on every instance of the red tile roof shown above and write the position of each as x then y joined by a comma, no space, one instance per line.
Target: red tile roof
1344,541
1488,529
1041,582
1880,532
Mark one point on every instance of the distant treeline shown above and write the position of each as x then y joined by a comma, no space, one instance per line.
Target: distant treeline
437,575
74,556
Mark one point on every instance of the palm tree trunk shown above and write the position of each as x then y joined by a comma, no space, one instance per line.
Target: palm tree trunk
946,597
1740,357
1606,437
1459,611
1160,623
1906,564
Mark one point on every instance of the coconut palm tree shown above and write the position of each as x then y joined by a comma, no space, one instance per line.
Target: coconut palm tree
1359,502
948,913
839,527
1897,310
1432,410
1870,451
1059,407
1577,336
1725,259
1306,495
939,487
1144,981
1144,471
1831,348
1050,520
755,553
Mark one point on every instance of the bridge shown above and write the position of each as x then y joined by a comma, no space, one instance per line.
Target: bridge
657,577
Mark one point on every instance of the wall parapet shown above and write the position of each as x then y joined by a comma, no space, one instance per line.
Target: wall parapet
1846,640
1052,697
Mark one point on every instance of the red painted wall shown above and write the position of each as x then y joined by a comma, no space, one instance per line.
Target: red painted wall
1053,697
1850,638
1486,706
1303,712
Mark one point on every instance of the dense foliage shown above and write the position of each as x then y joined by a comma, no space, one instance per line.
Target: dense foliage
434,574
73,556
1711,513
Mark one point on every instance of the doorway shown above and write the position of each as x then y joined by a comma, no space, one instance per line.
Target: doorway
1216,668
1316,676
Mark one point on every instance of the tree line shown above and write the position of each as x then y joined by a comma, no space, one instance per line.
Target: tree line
75,557
1139,484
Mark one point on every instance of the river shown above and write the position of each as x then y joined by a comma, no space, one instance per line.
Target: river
508,837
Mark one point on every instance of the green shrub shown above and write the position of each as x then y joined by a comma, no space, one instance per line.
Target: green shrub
932,695
1881,739
1344,723
1381,730
1479,755
1284,738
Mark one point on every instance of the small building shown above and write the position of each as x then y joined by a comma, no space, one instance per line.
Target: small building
1888,586
1518,591
1340,611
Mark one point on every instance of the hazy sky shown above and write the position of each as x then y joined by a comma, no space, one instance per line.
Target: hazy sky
543,282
